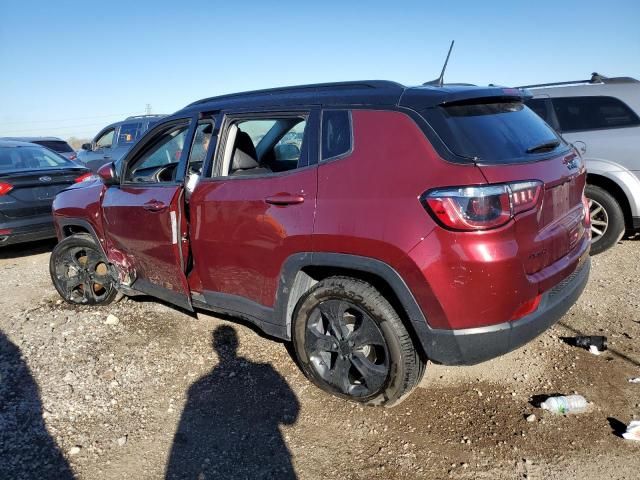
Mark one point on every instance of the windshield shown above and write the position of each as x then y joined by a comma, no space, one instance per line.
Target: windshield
494,131
30,158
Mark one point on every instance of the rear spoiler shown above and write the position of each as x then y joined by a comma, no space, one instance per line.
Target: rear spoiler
419,98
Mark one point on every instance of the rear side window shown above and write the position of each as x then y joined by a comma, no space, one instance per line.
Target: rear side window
56,145
539,105
593,113
336,133
500,131
129,133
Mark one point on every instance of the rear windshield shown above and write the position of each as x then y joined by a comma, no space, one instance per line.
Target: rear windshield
55,145
501,131
14,159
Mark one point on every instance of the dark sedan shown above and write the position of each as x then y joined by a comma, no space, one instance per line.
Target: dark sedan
30,177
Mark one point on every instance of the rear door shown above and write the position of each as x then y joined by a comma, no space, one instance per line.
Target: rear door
32,176
256,208
144,216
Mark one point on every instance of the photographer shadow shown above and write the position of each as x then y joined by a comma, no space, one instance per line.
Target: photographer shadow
230,424
26,449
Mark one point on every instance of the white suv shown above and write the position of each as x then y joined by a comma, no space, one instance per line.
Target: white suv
600,117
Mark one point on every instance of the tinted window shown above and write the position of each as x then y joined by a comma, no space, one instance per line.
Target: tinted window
336,133
129,133
495,132
539,105
55,145
30,158
592,113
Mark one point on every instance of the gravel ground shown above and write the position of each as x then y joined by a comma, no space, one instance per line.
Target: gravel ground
141,390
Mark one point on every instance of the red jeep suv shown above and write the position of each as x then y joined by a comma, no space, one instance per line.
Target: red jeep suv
374,225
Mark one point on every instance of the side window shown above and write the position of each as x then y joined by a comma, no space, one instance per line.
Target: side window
157,163
539,106
336,133
106,139
129,133
593,113
200,146
265,145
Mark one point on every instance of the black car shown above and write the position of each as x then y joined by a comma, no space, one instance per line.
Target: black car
30,178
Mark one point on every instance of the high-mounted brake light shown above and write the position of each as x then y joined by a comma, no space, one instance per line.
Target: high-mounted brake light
5,188
481,207
84,177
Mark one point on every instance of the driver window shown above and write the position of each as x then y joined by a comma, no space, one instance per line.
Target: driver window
105,140
159,161
198,153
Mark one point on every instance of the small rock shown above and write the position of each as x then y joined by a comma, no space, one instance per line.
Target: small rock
58,302
74,450
69,377
122,441
112,320
531,418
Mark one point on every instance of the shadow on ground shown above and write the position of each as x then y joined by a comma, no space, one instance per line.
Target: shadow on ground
26,249
230,424
27,451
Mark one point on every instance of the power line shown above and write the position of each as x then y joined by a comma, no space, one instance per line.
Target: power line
72,119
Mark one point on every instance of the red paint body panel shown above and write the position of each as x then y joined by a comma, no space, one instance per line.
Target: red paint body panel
149,239
239,241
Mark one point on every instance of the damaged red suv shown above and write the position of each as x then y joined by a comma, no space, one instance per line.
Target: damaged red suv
375,226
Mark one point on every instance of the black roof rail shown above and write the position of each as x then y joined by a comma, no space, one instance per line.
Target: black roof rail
595,78
302,88
155,115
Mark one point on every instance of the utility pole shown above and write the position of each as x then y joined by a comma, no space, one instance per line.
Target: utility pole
147,109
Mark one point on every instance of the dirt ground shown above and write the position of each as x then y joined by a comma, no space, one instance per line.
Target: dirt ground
155,393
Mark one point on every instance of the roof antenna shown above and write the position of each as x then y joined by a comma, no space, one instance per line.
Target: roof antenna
439,81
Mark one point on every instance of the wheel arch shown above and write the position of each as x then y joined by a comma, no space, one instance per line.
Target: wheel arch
616,191
71,226
301,271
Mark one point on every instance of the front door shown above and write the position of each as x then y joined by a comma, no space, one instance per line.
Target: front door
144,215
255,209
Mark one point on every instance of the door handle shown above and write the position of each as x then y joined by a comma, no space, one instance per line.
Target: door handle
155,206
284,199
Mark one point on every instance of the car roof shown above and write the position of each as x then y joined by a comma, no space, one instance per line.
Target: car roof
33,139
16,143
363,92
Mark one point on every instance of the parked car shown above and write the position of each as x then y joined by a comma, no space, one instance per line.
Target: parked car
114,140
442,223
56,144
600,116
30,177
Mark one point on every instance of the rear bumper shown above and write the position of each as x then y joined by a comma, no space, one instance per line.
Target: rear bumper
474,345
27,230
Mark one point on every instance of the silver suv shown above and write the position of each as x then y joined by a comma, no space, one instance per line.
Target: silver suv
600,118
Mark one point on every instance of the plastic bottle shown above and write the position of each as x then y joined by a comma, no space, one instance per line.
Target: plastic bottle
565,404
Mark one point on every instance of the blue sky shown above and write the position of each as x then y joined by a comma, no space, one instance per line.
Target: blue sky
70,67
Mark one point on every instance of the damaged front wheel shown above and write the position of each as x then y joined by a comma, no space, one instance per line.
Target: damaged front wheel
80,271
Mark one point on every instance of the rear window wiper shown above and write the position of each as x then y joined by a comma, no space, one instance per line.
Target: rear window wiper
547,146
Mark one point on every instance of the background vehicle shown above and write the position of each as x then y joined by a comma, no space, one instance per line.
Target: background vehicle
600,117
56,144
436,222
114,140
30,177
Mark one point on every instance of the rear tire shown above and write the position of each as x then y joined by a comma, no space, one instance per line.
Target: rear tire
607,219
350,342
81,273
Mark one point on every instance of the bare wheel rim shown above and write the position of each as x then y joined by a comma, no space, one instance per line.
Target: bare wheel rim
346,348
82,275
599,220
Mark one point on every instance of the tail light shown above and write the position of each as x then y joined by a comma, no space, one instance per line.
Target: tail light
73,156
527,307
85,176
482,207
5,188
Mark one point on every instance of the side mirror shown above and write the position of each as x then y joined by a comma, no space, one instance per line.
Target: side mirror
287,151
107,174
86,146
